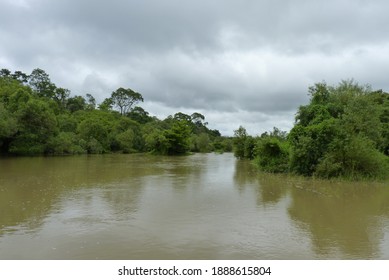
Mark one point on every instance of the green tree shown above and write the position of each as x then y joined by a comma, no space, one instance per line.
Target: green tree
96,129
90,102
41,84
240,136
339,133
309,144
178,138
140,115
37,124
106,105
200,143
126,141
157,143
5,73
61,96
20,76
272,154
126,125
124,99
8,127
76,103
182,117
353,157
64,143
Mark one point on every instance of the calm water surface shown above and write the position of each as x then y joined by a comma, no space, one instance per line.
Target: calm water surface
204,206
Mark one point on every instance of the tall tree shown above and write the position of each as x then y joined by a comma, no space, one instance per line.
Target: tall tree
91,101
61,95
124,99
40,82
76,103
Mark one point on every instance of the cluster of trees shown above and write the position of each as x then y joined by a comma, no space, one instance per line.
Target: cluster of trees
37,117
342,132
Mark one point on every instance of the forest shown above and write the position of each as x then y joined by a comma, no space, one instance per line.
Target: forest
342,132
39,118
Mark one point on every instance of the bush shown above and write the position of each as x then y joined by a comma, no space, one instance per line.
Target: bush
353,158
157,143
126,141
272,155
64,143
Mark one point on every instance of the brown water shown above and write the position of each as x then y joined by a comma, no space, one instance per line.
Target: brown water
204,206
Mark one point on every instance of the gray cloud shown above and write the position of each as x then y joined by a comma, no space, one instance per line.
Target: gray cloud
237,62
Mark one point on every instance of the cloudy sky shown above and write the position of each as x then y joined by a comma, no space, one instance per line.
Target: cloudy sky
246,62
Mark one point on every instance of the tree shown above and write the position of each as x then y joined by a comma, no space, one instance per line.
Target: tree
199,124
20,76
60,96
106,105
36,117
41,84
124,99
126,140
8,126
4,73
240,136
139,114
37,124
156,142
76,103
182,117
64,143
178,138
198,119
272,154
96,129
90,101
340,133
310,143
201,143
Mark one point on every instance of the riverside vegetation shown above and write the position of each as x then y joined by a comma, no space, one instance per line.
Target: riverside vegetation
342,132
39,118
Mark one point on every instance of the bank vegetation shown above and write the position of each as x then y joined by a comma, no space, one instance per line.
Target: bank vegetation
342,132
39,118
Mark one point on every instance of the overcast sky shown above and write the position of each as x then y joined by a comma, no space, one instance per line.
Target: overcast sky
238,62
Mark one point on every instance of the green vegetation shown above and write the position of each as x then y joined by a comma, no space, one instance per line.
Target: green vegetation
39,118
342,132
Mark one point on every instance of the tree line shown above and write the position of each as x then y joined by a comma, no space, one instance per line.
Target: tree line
342,132
39,118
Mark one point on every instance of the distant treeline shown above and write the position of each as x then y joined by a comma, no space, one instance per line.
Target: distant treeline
37,117
342,132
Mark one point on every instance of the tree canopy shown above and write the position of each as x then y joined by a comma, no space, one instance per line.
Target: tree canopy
124,99
342,132
37,117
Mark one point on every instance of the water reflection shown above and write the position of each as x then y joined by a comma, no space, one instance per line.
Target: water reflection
269,188
345,219
31,187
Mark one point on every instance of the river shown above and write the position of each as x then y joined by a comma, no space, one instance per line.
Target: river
203,206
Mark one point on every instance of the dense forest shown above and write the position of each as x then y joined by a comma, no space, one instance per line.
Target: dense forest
342,132
39,118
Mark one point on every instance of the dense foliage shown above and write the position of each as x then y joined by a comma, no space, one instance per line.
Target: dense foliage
37,117
342,132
